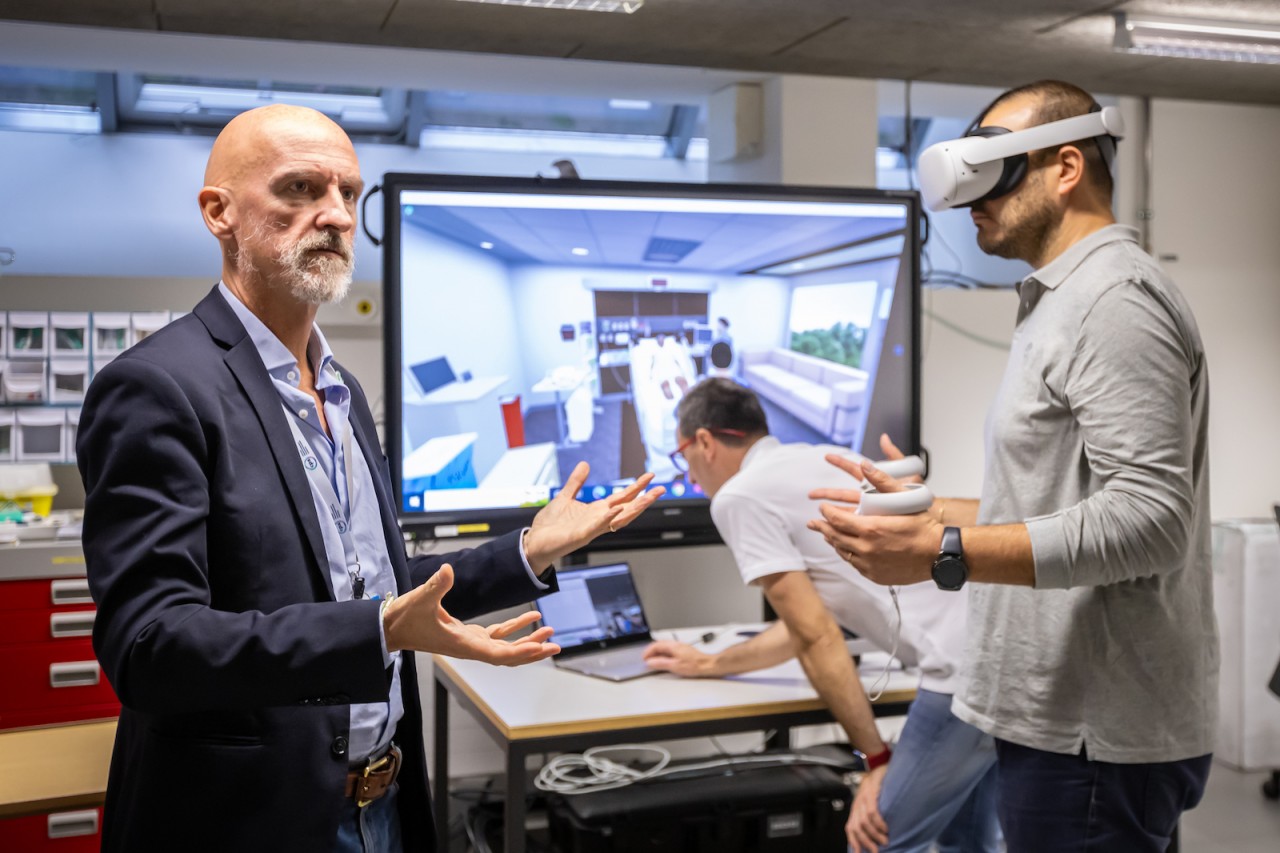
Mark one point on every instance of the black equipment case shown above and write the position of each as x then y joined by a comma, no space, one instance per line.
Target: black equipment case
777,809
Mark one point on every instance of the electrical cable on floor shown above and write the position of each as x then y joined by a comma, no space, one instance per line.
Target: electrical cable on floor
590,771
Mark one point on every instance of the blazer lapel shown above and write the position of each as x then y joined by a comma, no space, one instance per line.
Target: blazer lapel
245,364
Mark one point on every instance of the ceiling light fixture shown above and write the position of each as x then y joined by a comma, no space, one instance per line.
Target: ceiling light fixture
580,252
624,6
629,104
486,245
1197,38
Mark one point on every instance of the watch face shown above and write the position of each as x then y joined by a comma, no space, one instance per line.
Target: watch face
950,573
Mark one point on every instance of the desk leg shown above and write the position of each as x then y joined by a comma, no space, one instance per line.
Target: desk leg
441,774
780,739
513,814
1175,843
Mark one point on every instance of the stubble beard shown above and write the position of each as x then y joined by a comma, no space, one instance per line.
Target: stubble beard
1024,232
310,279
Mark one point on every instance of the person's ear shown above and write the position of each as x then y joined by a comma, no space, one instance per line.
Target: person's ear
706,443
218,211
1071,166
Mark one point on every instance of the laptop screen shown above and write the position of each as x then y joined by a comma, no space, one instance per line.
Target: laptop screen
595,607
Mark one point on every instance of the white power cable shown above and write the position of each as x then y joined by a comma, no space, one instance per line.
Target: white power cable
877,688
589,771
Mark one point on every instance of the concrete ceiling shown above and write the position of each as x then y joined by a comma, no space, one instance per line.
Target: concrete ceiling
982,42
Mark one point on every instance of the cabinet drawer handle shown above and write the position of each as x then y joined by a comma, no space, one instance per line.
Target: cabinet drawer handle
72,824
71,591
72,624
84,673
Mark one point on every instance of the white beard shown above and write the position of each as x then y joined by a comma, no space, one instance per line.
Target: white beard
311,280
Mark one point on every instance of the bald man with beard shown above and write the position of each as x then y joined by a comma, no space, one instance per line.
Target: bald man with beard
254,597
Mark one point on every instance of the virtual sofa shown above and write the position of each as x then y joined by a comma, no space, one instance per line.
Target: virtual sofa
827,396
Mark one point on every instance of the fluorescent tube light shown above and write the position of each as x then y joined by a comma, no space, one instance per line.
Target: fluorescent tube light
629,104
1197,38
50,117
624,6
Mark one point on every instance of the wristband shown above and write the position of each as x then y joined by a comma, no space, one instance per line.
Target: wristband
880,759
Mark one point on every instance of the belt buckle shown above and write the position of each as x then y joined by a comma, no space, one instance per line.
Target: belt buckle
391,757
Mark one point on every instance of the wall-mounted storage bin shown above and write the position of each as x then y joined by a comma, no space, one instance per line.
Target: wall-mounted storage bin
41,435
69,334
23,380
144,323
110,334
28,333
68,379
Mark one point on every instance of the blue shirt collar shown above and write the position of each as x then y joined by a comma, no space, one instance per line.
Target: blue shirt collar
276,357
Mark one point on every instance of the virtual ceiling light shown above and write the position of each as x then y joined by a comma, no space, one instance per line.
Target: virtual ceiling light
625,6
1196,38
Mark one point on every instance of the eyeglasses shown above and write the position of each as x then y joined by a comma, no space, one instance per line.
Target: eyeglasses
677,455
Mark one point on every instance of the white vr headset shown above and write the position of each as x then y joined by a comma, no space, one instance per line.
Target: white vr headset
989,162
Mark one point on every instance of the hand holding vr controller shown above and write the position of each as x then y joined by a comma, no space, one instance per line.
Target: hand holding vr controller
886,516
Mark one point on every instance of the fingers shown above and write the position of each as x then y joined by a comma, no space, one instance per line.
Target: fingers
661,648
852,467
573,484
624,496
631,511
847,496
888,448
509,627
439,584
519,654
882,481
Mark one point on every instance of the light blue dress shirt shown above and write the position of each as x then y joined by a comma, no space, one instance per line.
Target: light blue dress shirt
372,724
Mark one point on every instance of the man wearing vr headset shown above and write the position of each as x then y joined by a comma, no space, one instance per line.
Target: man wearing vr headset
1093,647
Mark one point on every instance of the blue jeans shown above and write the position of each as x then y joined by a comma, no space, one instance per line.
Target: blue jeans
1052,803
940,786
372,829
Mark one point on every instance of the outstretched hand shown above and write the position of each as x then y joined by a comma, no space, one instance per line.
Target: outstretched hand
566,524
678,658
417,620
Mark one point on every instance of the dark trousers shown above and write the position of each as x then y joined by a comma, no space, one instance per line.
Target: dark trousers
1051,803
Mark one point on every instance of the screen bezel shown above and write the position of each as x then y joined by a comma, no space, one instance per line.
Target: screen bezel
669,522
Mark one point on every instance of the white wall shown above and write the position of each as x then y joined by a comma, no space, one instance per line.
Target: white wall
457,303
1216,194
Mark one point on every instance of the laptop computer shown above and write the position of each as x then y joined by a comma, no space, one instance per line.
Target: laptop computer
599,622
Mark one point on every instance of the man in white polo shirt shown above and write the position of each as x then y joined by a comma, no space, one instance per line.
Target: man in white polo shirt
938,785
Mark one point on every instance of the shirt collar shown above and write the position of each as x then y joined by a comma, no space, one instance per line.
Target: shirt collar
761,447
276,357
1060,268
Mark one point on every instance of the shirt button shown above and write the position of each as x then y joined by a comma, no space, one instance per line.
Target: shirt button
339,746
302,413
293,374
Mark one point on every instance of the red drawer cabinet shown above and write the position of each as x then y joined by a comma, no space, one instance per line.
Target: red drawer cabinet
77,831
47,664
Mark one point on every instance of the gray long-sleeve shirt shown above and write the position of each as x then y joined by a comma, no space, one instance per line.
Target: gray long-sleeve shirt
1098,439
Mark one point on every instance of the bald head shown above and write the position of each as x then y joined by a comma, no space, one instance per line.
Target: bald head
253,139
280,194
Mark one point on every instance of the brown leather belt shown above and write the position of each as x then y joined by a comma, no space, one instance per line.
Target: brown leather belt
375,778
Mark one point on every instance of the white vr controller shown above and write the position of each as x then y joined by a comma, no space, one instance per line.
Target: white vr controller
915,497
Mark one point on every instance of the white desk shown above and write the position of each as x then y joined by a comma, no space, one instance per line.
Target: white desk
539,708
460,407
558,383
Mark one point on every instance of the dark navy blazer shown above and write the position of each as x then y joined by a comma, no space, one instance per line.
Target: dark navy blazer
217,624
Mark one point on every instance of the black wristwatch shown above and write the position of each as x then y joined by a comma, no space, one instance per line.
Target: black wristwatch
949,568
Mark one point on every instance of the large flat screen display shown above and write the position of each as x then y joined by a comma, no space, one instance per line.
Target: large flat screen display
533,324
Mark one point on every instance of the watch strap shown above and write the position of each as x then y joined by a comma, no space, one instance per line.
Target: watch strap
951,542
